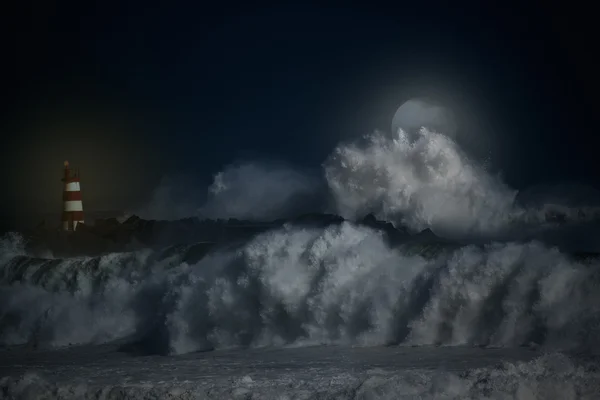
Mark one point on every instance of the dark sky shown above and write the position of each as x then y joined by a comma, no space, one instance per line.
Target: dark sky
130,91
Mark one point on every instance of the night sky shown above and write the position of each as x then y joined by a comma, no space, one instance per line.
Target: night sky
133,91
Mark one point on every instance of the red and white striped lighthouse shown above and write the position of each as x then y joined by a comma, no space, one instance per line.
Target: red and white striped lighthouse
72,205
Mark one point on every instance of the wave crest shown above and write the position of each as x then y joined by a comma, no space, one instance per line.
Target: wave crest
341,284
423,181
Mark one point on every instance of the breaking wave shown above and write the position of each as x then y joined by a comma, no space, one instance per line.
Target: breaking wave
419,178
422,179
423,182
340,284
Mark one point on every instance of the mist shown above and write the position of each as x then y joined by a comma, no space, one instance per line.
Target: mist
249,191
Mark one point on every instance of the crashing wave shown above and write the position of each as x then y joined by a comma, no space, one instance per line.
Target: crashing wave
419,178
338,284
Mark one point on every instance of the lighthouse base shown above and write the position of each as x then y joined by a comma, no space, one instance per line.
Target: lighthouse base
71,226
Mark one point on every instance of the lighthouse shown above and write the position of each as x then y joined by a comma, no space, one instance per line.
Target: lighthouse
72,205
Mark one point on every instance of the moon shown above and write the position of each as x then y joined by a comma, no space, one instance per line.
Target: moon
417,113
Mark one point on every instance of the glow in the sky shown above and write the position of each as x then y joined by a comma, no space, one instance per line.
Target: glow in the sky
417,113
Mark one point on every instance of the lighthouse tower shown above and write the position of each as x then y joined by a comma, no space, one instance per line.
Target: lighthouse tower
72,206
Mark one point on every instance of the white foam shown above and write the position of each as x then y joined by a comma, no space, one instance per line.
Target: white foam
341,284
423,182
553,376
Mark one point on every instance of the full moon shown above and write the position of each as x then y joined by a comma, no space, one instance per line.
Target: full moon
417,113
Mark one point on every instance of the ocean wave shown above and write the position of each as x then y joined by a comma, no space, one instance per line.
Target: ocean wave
551,376
340,284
